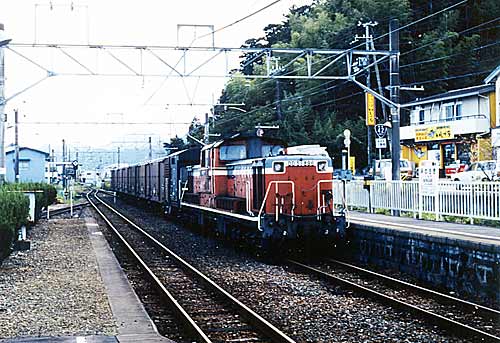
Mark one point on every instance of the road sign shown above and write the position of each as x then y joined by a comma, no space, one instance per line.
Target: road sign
380,130
380,143
75,163
347,142
370,109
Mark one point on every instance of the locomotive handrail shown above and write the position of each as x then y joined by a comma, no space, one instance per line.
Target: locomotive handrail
319,195
276,182
248,200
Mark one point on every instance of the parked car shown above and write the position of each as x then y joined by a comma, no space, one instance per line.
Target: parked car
480,171
383,169
453,168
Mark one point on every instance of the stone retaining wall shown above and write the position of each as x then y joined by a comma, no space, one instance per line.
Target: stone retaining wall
467,268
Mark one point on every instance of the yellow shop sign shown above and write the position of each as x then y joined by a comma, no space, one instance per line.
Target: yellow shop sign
433,133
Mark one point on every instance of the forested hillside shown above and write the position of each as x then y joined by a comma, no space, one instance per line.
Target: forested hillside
453,49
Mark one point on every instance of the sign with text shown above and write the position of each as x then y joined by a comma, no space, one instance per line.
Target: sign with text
433,133
380,143
370,109
428,180
380,130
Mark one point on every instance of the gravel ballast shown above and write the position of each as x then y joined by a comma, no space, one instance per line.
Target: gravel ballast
54,289
308,309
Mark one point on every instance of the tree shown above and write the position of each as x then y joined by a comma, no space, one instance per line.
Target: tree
317,111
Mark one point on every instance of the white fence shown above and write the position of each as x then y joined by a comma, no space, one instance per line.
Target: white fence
477,200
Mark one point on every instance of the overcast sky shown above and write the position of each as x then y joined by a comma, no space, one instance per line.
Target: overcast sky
63,99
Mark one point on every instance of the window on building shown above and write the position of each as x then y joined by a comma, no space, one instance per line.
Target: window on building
421,116
458,111
24,165
448,112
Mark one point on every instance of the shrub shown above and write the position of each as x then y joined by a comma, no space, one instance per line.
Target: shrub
45,194
14,209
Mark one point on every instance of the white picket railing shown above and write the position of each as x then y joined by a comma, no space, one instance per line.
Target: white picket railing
477,200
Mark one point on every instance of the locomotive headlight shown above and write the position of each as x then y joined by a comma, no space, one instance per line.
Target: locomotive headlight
279,167
322,166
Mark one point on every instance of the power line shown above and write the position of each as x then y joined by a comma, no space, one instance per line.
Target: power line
448,37
448,56
99,123
239,20
446,78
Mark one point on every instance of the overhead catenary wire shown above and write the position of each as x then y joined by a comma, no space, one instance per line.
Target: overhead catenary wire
444,37
237,21
448,56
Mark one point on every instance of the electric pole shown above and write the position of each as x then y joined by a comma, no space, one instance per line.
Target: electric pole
118,152
279,115
64,166
16,142
206,133
150,150
394,91
368,44
3,42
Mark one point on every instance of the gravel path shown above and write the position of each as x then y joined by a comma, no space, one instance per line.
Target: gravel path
304,307
55,288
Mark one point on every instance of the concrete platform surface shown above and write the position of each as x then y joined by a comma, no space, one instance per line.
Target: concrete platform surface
473,233
134,324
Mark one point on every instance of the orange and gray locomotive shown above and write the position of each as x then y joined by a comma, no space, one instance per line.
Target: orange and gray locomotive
245,187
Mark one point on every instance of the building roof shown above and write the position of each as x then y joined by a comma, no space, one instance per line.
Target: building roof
12,150
453,94
493,75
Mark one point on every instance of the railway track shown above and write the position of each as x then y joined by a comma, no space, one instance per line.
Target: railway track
451,313
207,312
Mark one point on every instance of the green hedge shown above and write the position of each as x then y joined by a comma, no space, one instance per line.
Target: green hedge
14,209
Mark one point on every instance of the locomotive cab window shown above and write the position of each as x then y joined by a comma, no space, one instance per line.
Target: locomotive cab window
272,150
321,166
233,152
279,167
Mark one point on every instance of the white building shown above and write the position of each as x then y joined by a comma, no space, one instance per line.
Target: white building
455,125
494,78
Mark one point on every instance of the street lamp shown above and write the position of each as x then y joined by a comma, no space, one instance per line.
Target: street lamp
4,40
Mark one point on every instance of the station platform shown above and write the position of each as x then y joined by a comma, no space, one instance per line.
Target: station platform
473,233
458,258
132,323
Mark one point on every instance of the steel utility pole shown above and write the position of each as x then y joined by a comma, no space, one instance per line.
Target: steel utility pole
394,91
279,114
64,166
16,142
150,150
3,41
368,42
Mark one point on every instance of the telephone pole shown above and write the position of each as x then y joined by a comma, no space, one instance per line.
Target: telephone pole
64,166
3,41
16,142
394,92
279,114
368,44
150,150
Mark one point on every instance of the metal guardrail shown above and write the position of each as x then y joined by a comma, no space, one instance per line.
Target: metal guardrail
472,200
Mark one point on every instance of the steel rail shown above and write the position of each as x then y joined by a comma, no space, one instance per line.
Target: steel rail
485,311
266,327
452,325
180,313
